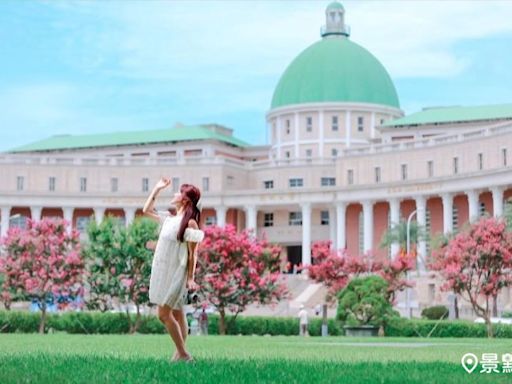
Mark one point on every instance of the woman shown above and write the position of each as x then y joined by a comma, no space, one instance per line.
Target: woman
174,261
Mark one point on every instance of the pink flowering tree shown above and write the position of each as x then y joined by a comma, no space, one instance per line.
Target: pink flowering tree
335,268
42,260
477,264
235,270
119,261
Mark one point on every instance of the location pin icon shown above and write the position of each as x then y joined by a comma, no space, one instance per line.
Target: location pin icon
469,362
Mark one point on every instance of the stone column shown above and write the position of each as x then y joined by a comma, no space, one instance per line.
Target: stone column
341,210
394,218
220,212
6,212
68,216
497,201
250,218
421,217
129,215
98,214
321,134
332,226
447,213
306,233
36,212
368,225
348,128
473,205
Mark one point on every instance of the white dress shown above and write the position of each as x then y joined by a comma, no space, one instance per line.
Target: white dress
168,281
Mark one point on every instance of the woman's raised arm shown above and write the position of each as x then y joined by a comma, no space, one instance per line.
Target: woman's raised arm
148,209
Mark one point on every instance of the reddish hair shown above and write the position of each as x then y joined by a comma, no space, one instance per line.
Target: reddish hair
190,194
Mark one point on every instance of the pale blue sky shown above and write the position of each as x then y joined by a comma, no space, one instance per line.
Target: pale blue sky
90,67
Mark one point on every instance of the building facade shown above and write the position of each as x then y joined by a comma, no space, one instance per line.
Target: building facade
343,163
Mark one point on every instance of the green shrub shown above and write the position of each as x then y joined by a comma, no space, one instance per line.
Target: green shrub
364,302
435,313
97,322
507,315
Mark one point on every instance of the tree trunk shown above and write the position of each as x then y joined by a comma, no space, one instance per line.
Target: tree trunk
7,305
456,306
490,332
495,306
222,322
135,326
42,323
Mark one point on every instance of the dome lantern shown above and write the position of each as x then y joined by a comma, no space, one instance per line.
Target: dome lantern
335,21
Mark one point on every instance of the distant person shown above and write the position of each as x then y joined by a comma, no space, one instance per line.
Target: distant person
303,320
203,322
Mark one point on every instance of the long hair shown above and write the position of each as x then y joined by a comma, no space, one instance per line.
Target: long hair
190,194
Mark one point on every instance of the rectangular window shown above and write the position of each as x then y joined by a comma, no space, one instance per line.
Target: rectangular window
309,124
210,220
83,184
268,184
295,218
287,154
350,176
377,174
334,152
81,223
19,183
381,121
328,182
268,220
360,123
206,184
324,217
230,180
334,123
296,182
455,218
504,156
145,184
287,126
309,152
430,168
175,184
455,165
51,184
480,161
113,184
404,171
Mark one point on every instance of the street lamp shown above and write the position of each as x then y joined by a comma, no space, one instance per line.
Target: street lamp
408,247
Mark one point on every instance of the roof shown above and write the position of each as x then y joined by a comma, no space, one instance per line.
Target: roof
185,133
335,70
443,115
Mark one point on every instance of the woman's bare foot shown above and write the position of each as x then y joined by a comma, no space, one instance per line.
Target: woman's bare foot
187,357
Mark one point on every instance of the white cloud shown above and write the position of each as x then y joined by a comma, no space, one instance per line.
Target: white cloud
225,42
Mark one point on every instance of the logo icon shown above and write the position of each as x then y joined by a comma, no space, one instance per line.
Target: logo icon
469,362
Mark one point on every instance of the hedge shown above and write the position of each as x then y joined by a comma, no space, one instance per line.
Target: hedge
116,323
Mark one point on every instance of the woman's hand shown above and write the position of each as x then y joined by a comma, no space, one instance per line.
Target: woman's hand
191,285
163,183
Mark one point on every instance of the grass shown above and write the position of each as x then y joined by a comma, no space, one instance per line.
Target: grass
63,358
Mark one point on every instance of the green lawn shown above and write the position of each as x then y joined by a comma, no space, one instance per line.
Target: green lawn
63,358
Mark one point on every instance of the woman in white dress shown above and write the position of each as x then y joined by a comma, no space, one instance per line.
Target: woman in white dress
174,260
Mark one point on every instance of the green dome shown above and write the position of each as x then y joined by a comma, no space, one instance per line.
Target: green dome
335,5
335,70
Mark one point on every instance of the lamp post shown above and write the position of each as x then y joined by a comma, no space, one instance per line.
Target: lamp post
408,247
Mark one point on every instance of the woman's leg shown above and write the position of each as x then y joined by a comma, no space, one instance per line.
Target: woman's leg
180,317
166,317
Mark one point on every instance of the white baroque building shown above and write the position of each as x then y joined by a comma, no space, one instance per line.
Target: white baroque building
343,164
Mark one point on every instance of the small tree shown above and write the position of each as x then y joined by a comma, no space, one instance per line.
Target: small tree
42,261
477,264
119,262
398,234
364,301
235,270
335,269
